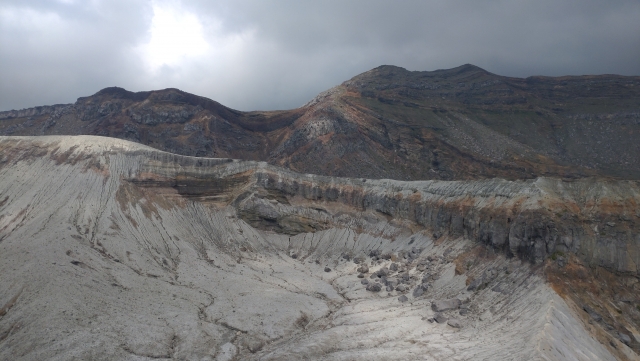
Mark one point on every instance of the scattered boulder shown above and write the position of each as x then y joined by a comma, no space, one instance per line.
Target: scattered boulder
384,271
393,267
624,338
483,281
592,313
363,268
464,308
445,305
418,291
389,288
374,287
327,269
455,323
561,261
403,299
440,318
253,344
475,284
498,288
364,282
401,288
361,275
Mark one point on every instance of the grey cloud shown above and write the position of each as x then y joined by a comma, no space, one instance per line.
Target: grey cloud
295,49
52,53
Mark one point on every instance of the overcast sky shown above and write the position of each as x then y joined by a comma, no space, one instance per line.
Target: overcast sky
257,54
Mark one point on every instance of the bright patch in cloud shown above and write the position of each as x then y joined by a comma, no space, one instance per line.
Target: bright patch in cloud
176,36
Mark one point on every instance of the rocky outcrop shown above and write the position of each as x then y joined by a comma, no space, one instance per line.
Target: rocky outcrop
53,110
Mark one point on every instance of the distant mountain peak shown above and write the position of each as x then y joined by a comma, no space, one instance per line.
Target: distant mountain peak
112,91
389,67
392,73
467,68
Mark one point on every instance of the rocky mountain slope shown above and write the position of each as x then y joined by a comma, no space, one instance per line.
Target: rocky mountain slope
461,123
113,250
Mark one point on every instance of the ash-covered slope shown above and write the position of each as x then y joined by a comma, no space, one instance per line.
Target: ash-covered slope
455,124
113,250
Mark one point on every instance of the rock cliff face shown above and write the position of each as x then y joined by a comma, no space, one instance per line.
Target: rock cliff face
49,110
596,219
457,124
528,219
113,250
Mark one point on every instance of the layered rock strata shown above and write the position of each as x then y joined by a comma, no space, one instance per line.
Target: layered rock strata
597,219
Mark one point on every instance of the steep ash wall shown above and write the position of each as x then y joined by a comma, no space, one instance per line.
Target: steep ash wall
596,219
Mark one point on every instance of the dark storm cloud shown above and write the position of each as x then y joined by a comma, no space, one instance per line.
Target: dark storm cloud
54,52
251,54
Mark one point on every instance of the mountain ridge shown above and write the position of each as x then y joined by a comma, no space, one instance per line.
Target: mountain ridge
388,122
